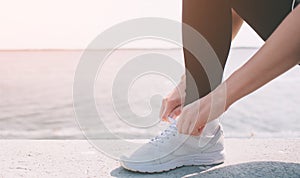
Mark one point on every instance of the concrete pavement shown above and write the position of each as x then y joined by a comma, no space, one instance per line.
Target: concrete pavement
77,158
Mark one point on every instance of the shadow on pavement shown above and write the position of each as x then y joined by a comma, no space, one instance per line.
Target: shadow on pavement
251,169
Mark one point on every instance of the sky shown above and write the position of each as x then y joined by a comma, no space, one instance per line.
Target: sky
73,24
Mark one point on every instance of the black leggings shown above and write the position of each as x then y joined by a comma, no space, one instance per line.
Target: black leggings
213,19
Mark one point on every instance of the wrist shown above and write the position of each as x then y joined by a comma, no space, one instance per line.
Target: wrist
224,95
231,94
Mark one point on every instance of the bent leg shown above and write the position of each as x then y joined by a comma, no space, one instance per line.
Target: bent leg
213,20
263,16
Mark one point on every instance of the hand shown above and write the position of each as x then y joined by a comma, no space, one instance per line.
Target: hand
195,116
173,103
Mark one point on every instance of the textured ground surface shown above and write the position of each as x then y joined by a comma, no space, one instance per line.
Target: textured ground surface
245,158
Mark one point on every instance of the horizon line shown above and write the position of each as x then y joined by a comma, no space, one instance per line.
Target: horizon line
79,49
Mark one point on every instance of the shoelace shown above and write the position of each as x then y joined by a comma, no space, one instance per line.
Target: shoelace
166,134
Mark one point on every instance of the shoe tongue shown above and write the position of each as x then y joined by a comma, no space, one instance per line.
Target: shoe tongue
171,120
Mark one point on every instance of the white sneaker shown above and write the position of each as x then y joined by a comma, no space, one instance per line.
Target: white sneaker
171,150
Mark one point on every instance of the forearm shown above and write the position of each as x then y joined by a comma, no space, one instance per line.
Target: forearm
280,53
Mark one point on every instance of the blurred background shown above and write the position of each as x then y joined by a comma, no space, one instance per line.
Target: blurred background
41,43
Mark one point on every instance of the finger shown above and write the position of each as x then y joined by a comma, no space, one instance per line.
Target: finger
192,130
186,126
162,108
176,112
179,125
168,109
197,131
200,123
173,116
196,134
201,130
196,126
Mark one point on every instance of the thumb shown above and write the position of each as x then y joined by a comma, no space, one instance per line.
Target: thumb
162,108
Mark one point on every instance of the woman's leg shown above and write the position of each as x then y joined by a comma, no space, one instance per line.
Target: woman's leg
213,20
217,31
263,16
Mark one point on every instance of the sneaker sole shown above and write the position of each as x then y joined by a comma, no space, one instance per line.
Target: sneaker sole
205,159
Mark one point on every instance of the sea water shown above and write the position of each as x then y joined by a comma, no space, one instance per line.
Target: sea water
36,97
